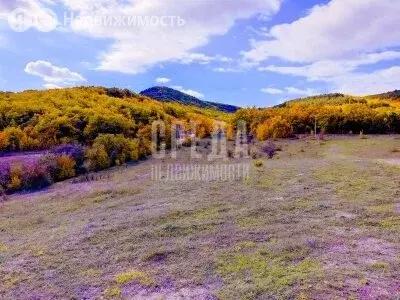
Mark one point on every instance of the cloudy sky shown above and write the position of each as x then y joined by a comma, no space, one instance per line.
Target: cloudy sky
243,52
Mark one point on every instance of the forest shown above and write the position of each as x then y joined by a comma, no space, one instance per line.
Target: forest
86,129
330,113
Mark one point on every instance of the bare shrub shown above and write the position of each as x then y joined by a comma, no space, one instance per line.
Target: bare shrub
362,135
270,149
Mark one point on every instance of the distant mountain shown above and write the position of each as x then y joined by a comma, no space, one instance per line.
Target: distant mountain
167,94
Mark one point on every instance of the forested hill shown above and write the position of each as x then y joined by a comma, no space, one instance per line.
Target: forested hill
339,99
390,95
84,129
334,98
167,94
331,113
33,120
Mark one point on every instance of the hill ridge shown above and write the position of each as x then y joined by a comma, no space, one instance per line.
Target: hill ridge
167,94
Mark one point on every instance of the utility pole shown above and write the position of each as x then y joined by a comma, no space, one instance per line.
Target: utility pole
315,125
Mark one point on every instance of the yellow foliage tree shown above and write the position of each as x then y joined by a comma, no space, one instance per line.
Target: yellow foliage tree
66,167
274,128
98,158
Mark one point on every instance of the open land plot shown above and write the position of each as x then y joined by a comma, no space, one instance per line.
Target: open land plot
321,220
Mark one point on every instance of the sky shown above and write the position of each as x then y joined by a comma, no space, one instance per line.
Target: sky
241,52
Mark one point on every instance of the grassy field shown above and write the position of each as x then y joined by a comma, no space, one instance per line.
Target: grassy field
321,220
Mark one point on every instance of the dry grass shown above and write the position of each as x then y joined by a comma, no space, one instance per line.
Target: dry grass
317,221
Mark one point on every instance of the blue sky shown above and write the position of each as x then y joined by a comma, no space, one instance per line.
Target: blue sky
243,52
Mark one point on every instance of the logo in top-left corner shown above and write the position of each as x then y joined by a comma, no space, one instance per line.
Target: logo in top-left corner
21,20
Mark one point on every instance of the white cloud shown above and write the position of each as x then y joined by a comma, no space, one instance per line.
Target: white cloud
362,84
51,73
50,2
290,91
343,77
135,49
189,92
162,80
332,42
51,86
227,70
32,10
341,29
272,91
325,69
203,59
301,92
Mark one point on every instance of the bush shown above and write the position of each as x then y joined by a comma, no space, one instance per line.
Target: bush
98,158
144,136
15,182
269,149
49,162
258,163
3,141
74,151
4,175
274,128
65,167
35,176
10,139
118,148
59,167
14,139
108,124
29,176
27,143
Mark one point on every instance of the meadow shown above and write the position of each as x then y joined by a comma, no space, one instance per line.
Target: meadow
320,220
